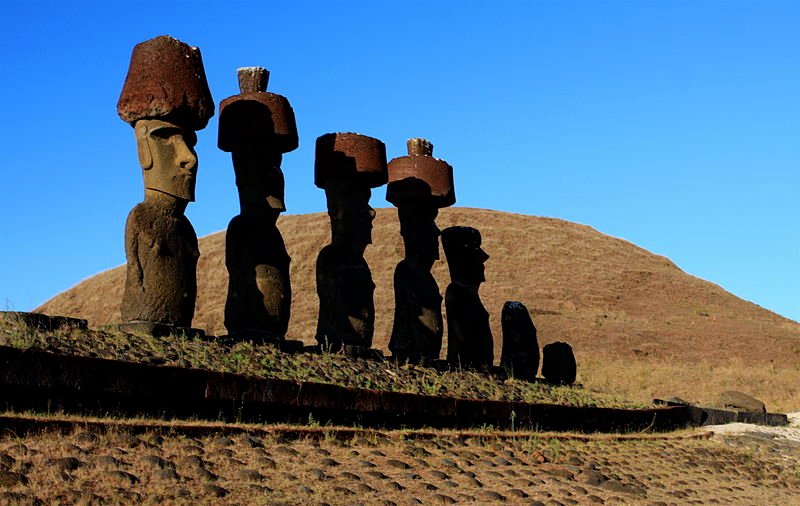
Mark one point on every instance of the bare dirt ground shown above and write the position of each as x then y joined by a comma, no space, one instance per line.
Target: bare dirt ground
125,463
640,326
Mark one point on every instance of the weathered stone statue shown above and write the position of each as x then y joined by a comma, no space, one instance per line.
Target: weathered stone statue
166,99
558,363
257,127
469,338
418,185
520,347
347,165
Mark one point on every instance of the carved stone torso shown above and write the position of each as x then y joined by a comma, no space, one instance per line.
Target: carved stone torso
161,250
259,292
469,337
417,328
346,302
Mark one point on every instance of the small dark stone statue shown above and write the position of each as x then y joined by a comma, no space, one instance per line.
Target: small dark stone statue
347,166
558,364
520,348
470,343
418,185
165,99
257,127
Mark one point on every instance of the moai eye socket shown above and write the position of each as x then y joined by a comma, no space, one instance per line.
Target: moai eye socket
164,133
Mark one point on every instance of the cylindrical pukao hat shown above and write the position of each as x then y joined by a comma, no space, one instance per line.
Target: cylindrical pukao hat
255,117
420,178
166,80
349,157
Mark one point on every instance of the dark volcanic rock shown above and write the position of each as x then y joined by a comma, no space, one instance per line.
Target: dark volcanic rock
558,364
520,347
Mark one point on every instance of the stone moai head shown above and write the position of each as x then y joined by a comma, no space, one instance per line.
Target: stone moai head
419,185
166,99
257,127
347,166
465,258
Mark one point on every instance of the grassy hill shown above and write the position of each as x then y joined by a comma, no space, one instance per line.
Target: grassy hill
640,326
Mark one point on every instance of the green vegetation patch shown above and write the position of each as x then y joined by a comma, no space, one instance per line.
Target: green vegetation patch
267,361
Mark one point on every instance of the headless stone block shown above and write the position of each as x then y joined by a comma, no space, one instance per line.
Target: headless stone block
520,347
558,364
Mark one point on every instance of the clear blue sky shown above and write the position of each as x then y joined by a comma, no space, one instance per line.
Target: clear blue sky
672,124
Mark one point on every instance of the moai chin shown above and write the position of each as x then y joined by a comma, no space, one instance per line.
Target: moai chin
165,99
520,347
257,127
419,185
469,337
347,166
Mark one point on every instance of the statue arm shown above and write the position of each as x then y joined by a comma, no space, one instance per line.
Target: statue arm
135,272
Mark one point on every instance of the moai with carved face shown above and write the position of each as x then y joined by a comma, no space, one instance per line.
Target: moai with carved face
347,166
469,337
257,127
419,185
165,99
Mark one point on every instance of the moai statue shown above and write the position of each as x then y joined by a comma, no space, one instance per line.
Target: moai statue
558,364
166,100
419,185
347,166
469,338
520,348
257,127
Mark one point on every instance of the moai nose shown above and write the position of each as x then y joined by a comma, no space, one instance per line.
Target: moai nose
186,158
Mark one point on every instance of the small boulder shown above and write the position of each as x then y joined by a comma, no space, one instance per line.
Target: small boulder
558,364
740,401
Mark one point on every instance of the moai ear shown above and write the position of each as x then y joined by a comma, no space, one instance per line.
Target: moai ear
145,157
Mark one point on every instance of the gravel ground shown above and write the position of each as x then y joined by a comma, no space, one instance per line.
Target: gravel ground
115,466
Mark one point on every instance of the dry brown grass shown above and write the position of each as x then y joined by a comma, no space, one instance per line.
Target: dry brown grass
698,382
637,322
112,464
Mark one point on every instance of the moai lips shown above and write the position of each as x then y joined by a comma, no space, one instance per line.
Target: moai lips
256,117
350,158
166,79
420,178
